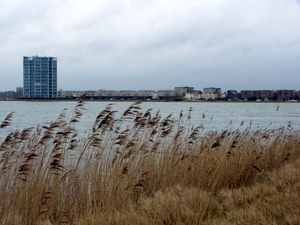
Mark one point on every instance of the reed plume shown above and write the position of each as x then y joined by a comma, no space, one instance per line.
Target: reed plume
7,121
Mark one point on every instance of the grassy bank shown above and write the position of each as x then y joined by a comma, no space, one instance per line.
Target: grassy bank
144,169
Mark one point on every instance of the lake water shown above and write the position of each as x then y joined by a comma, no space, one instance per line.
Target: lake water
212,115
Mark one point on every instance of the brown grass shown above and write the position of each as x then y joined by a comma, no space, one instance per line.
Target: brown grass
144,169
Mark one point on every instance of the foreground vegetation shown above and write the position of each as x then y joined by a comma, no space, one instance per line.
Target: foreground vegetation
144,169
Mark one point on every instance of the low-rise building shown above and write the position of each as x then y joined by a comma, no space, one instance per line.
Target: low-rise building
211,93
127,93
247,95
194,95
297,95
70,94
232,95
210,96
106,93
210,90
180,92
145,93
7,94
285,94
19,92
264,94
165,94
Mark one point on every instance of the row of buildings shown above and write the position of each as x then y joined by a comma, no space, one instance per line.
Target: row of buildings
186,93
178,93
40,82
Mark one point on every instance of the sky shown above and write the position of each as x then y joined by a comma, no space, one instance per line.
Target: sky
154,44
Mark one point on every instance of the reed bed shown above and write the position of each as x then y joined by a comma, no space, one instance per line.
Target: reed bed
140,168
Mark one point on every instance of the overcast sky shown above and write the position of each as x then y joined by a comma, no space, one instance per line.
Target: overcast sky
154,44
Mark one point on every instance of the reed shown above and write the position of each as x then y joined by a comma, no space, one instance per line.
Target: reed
141,168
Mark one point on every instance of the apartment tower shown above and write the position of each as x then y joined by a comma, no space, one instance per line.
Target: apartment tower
40,77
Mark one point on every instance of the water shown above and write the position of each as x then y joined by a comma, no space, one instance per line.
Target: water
211,115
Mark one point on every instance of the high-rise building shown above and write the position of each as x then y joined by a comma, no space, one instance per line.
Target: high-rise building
40,77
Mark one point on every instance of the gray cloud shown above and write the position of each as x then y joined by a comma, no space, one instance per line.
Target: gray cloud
155,44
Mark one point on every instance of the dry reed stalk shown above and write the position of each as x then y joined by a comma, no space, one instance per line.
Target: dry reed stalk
7,121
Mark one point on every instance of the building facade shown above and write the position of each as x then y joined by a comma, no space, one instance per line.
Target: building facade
211,93
19,92
285,94
40,77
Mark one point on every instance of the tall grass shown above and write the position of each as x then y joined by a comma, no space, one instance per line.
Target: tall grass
140,168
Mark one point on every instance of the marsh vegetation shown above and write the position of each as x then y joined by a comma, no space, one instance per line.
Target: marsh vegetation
139,168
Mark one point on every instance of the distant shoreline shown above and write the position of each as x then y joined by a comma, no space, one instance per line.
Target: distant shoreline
100,100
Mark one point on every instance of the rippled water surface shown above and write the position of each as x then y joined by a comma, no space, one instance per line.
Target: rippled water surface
212,115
